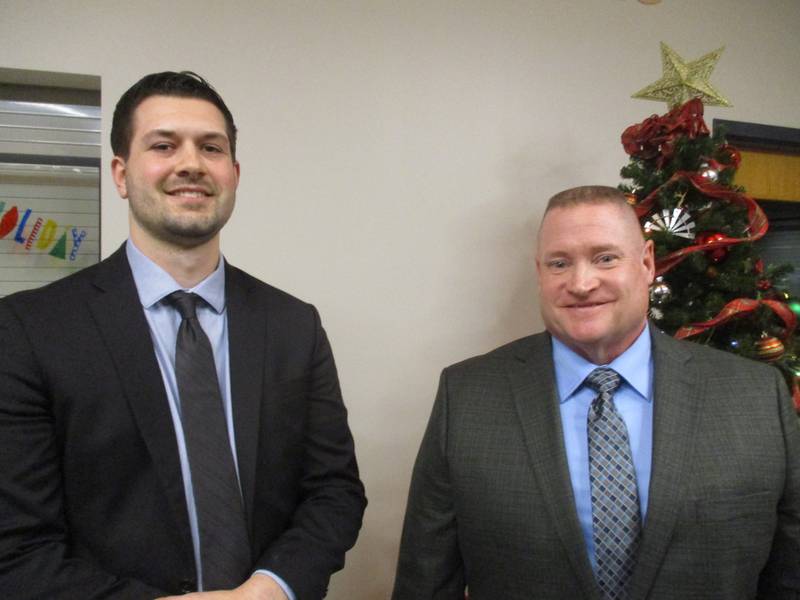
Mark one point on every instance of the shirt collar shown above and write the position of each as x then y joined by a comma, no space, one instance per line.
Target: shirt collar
153,283
632,365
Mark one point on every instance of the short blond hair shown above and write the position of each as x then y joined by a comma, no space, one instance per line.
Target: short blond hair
588,194
592,194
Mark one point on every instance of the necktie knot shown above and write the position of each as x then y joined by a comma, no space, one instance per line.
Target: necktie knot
185,302
603,380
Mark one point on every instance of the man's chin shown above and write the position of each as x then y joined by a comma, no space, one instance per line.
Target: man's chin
586,337
588,330
190,236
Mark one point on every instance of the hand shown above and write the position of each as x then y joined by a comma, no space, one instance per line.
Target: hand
258,587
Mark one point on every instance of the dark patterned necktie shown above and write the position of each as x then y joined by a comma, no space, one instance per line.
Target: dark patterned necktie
616,519
224,545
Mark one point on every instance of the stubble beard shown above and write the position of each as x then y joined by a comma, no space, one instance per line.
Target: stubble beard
186,230
191,233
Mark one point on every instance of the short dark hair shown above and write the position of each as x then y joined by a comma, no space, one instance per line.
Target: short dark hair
185,84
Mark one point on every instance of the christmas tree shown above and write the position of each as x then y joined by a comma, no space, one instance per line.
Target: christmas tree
711,286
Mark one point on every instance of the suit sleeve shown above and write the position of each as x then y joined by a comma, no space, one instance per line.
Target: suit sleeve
430,564
35,561
327,519
780,579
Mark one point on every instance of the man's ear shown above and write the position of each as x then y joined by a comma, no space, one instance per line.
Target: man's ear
118,171
649,260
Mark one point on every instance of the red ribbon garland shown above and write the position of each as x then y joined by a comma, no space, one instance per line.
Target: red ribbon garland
742,306
757,226
739,307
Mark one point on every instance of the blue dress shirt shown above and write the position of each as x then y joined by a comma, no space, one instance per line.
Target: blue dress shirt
634,402
153,285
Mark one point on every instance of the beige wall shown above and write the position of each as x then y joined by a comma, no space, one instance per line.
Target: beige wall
396,157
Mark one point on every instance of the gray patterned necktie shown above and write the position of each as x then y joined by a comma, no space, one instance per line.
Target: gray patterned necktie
224,545
616,519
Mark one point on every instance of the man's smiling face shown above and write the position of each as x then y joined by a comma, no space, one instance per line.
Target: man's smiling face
179,177
594,271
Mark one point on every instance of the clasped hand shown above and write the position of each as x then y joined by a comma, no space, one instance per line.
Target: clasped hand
258,587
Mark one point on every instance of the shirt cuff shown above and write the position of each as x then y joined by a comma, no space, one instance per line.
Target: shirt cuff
284,586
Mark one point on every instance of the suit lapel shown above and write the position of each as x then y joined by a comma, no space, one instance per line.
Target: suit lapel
674,424
123,326
533,385
247,325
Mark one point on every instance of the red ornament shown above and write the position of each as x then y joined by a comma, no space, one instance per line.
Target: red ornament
763,284
717,254
708,237
759,267
731,156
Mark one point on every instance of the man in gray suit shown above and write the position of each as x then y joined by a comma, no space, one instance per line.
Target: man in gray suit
601,458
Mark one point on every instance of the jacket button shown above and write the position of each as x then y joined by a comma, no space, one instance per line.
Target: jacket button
186,586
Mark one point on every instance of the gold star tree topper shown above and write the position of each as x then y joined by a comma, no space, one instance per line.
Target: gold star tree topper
682,81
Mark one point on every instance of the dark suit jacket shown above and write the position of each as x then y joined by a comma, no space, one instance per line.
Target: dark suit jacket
491,504
91,494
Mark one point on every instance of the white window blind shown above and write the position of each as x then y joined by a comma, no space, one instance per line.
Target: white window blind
49,192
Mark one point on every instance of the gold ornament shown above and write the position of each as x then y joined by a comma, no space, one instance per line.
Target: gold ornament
682,81
769,349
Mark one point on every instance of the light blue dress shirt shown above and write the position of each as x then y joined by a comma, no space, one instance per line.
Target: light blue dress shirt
153,285
634,402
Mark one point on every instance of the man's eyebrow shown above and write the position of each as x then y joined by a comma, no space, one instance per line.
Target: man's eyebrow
214,135
605,248
560,253
160,133
171,133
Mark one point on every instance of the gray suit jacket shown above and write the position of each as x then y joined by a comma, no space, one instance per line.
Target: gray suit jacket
491,504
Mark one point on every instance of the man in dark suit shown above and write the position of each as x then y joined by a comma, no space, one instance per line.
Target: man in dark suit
602,458
127,469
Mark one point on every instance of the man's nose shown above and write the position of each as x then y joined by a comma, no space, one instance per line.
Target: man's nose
583,279
190,163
